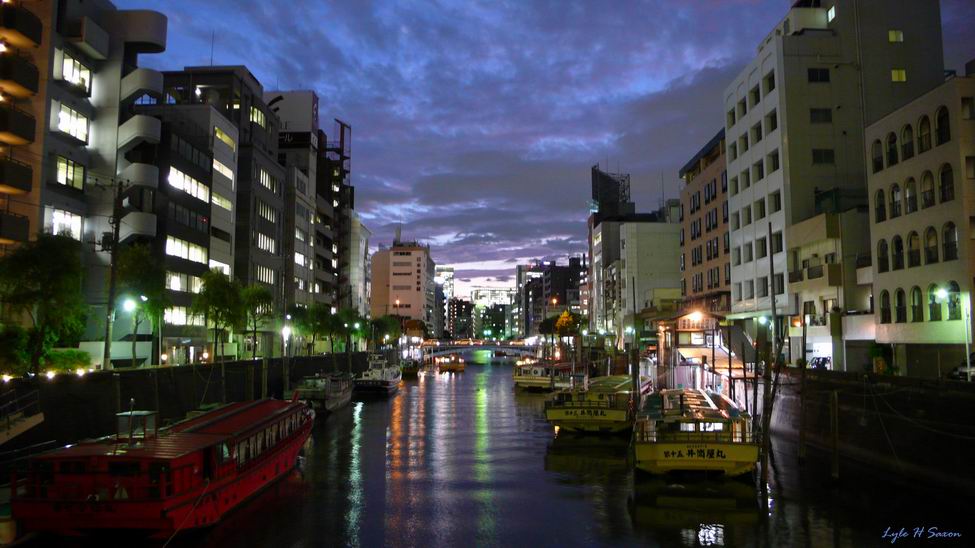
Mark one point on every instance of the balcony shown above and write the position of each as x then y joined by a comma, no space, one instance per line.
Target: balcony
817,277
141,175
16,126
91,39
141,81
13,228
19,27
137,130
136,224
825,226
144,30
15,177
18,76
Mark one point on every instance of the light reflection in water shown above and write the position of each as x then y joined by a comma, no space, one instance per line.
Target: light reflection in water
353,516
482,465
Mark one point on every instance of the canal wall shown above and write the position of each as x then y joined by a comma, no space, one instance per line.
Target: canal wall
915,430
76,407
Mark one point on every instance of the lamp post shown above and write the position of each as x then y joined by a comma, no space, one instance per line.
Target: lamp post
285,373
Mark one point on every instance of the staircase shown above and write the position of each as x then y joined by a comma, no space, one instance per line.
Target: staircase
18,414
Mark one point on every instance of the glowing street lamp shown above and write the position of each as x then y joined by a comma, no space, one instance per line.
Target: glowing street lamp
128,305
695,316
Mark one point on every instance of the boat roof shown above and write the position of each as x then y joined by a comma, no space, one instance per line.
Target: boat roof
186,436
613,383
689,404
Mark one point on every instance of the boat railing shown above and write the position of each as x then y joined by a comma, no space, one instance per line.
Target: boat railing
99,487
652,436
609,403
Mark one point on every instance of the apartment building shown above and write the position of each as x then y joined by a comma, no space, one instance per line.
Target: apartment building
359,266
402,282
705,243
520,303
794,124
610,200
460,317
922,199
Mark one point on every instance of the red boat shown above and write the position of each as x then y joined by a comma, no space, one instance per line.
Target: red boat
159,482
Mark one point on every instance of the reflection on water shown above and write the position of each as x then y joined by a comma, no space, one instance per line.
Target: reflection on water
462,459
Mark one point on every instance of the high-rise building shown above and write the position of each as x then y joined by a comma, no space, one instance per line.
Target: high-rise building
552,291
402,282
794,125
519,307
704,239
439,311
610,200
922,167
359,264
460,316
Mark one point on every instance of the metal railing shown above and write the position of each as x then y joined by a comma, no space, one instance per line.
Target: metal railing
654,436
815,272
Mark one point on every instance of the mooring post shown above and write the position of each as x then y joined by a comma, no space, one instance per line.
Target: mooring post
834,413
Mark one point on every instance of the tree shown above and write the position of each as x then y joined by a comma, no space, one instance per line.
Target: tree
382,327
547,327
567,325
321,322
328,325
258,303
350,323
142,281
219,302
41,280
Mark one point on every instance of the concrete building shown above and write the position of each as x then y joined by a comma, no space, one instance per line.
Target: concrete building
402,282
359,264
520,304
794,124
610,200
922,200
260,215
552,291
439,312
460,317
705,258
444,277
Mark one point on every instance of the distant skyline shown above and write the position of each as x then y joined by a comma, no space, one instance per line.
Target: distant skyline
475,125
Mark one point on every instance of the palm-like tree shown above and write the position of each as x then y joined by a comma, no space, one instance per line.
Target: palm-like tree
142,279
219,302
351,324
258,303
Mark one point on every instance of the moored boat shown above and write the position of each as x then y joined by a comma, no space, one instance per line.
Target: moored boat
156,482
452,364
379,377
694,430
534,375
604,405
411,369
324,392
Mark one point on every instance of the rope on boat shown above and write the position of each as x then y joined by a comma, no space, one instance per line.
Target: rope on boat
188,514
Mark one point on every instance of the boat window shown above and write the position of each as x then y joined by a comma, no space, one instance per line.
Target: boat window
712,427
72,467
687,427
260,443
223,454
123,468
242,452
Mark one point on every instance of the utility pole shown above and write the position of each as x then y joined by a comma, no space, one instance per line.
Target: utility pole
116,222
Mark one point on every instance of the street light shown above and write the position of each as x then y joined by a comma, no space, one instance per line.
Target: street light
128,305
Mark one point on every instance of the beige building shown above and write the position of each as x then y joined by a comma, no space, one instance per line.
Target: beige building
705,249
402,282
922,200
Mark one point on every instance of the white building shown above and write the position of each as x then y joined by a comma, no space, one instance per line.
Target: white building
402,282
795,118
358,265
922,200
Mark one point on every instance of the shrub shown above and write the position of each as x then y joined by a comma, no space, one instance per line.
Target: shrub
68,360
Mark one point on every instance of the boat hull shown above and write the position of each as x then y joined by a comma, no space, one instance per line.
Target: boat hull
731,459
533,383
371,386
590,419
163,518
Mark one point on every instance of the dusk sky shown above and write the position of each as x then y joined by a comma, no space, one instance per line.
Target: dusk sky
475,123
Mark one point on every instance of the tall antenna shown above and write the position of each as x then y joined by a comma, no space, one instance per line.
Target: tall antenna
212,38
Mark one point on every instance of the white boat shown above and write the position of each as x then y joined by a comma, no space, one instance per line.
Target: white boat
324,392
380,376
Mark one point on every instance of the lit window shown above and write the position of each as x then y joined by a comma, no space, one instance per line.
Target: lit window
299,259
189,185
831,14
227,139
265,211
180,315
185,250
71,173
222,169
178,281
75,73
265,242
267,181
73,123
219,200
898,75
64,223
264,274
222,267
895,36
257,116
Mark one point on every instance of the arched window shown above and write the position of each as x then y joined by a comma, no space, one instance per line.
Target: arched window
942,128
930,246
877,152
900,306
947,183
917,305
884,307
913,249
891,149
949,239
934,304
907,142
895,201
880,206
924,135
883,264
927,189
910,196
954,301
897,252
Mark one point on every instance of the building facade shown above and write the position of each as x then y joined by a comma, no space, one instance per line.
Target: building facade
402,282
705,244
922,171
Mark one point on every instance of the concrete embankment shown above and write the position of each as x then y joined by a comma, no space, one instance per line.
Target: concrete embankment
910,429
76,407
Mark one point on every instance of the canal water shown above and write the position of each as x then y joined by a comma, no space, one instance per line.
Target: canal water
463,459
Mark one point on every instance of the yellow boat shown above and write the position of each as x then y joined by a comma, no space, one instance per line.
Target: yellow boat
453,364
694,430
531,374
601,405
